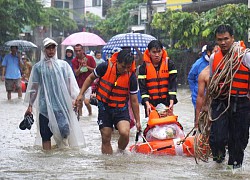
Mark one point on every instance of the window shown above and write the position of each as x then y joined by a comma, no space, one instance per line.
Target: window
96,3
66,5
61,4
58,4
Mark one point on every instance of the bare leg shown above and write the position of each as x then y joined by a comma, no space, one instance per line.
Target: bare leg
20,93
106,138
47,145
80,108
124,130
9,95
87,104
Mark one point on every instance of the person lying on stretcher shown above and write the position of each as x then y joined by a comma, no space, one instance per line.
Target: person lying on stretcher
162,124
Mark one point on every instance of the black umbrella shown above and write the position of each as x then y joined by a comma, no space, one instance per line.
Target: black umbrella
22,45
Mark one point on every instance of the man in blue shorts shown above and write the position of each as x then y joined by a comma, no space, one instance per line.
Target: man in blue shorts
11,72
117,84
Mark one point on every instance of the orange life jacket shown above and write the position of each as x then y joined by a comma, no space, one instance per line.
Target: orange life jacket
113,89
157,82
240,84
154,119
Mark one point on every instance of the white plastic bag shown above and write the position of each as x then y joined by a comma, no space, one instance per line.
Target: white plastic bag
163,132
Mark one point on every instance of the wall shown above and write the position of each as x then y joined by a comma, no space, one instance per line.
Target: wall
176,4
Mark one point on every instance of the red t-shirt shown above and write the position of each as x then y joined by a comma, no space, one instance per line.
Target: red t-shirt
82,76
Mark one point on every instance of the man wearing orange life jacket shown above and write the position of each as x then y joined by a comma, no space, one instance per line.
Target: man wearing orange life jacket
157,78
117,84
232,112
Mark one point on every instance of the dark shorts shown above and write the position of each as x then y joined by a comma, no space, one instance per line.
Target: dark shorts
109,117
12,84
45,132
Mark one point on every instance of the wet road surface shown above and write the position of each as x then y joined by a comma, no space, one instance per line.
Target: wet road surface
19,159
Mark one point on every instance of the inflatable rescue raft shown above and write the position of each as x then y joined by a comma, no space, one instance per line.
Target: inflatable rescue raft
166,147
163,136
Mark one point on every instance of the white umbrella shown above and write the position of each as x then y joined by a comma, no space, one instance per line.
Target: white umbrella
22,45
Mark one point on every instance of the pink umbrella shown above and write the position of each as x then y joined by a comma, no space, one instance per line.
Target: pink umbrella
84,38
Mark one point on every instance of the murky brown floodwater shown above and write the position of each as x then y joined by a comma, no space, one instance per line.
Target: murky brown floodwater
20,160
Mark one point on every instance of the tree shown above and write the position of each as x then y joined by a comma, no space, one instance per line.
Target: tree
89,21
118,18
181,27
189,29
193,30
16,14
236,15
59,18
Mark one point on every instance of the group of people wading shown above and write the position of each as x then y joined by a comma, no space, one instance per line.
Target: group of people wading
52,88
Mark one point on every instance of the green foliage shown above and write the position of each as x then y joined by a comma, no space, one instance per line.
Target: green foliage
89,21
236,15
93,18
182,27
118,18
15,14
59,18
189,29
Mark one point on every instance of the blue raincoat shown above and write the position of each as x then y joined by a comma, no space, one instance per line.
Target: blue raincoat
193,75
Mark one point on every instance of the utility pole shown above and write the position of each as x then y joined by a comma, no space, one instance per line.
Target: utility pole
84,16
149,17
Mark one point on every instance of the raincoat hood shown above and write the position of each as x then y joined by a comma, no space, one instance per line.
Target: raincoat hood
69,58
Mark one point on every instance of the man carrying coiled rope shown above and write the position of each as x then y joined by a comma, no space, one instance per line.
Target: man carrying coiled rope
228,91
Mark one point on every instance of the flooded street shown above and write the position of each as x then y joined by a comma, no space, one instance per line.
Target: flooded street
21,160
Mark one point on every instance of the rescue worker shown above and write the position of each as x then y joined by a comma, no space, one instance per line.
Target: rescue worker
230,107
157,78
117,84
